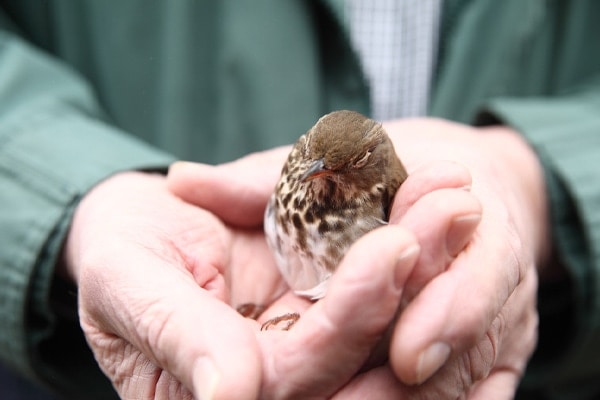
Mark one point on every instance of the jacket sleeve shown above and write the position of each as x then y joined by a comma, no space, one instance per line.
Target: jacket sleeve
565,132
55,144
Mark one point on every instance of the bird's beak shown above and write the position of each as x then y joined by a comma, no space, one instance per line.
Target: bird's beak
316,169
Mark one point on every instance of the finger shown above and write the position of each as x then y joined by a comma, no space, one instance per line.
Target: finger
491,368
180,327
443,222
337,334
236,192
426,179
453,312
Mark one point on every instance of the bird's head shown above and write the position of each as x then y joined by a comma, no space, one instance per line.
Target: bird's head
349,149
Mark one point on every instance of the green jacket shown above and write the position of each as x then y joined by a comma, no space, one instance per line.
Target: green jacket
89,88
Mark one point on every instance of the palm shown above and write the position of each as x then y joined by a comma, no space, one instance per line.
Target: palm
139,256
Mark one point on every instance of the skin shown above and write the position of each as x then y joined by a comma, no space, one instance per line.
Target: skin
158,280
494,335
162,264
490,339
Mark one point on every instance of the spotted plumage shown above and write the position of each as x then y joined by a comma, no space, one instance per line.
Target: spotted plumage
337,184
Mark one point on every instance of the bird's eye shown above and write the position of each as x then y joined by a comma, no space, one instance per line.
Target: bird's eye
362,161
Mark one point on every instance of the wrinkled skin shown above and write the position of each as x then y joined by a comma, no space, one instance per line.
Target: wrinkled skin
161,266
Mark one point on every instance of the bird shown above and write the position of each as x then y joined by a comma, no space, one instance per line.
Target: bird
337,184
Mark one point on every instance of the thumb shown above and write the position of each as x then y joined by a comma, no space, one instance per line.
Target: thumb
237,192
179,328
336,335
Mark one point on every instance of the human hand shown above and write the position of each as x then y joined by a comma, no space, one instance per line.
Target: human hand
152,293
472,325
489,340
159,280
237,192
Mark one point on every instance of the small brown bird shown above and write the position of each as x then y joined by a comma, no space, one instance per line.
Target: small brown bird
337,184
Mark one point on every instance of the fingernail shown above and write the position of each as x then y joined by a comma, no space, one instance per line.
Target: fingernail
460,232
408,256
206,379
431,359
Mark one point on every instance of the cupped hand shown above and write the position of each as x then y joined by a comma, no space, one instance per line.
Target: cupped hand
159,281
471,324
152,279
333,327
475,202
